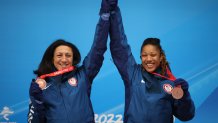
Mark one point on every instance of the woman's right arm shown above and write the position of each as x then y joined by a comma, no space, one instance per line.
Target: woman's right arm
120,50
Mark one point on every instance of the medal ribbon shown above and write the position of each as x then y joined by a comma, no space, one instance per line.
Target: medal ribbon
171,76
71,68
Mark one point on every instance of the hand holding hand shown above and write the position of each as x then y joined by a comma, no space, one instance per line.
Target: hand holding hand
108,5
113,4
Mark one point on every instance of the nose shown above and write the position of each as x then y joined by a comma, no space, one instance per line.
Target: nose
149,58
64,59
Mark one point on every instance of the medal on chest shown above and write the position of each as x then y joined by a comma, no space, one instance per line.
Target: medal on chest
168,86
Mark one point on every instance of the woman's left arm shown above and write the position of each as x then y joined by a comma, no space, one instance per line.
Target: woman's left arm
184,108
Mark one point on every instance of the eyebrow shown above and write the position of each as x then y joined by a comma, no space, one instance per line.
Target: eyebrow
149,52
64,52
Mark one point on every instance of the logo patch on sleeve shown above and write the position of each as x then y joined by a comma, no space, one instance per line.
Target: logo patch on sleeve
72,81
168,88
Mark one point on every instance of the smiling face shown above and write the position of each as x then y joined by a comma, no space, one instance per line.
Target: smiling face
63,57
151,57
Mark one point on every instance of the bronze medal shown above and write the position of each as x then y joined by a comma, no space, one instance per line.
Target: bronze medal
42,83
177,93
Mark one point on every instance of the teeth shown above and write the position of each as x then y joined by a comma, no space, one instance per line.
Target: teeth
150,65
63,65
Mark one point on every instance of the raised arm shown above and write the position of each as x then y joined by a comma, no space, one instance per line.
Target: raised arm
93,61
120,50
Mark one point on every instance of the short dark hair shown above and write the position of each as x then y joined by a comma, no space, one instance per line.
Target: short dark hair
156,42
47,66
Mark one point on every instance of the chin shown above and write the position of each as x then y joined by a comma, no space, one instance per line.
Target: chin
149,70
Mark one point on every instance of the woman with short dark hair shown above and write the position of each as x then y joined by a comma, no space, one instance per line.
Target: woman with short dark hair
61,92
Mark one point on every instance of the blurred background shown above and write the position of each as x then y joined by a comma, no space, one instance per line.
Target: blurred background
188,30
